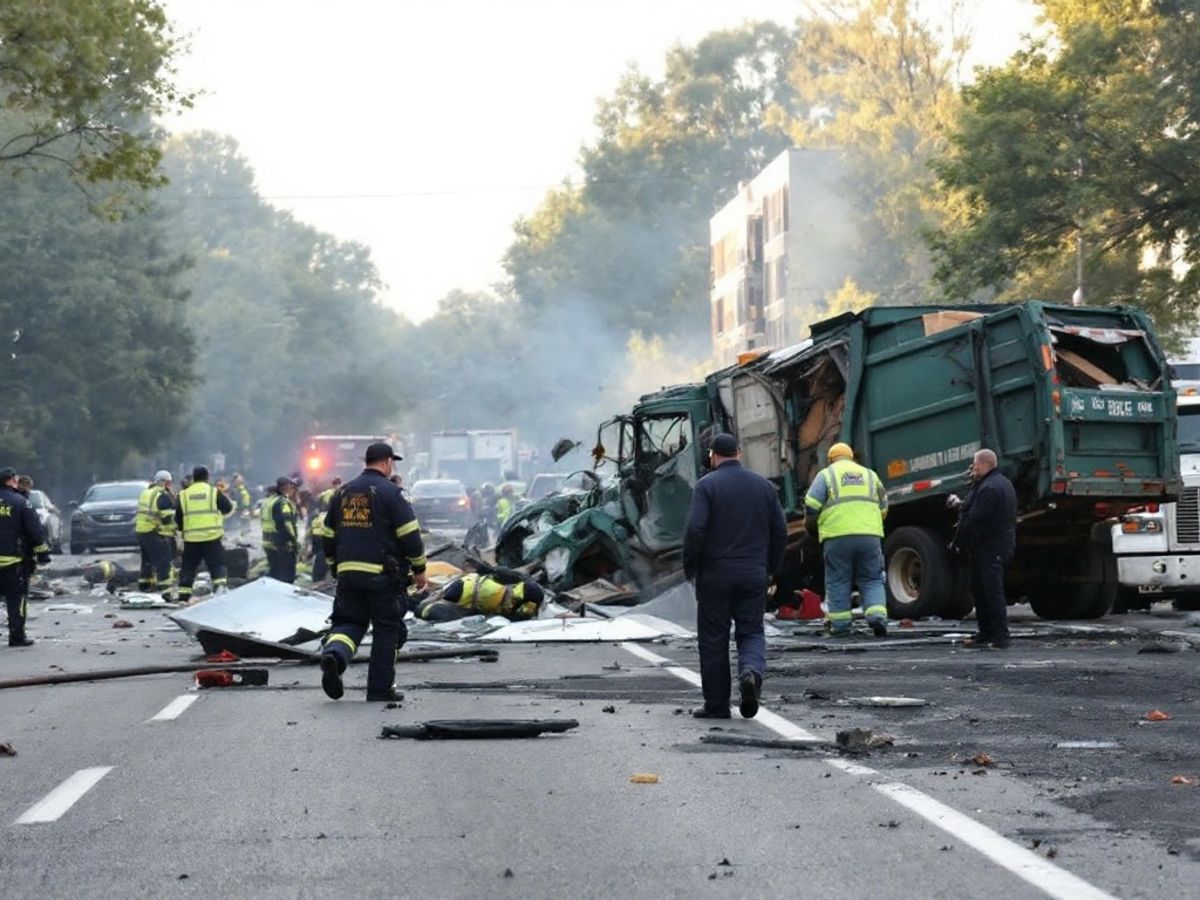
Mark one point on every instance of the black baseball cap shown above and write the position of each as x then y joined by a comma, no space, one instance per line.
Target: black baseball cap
724,445
379,451
8,473
283,481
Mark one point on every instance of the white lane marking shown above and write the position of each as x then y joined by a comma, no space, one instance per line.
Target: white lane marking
174,709
1027,866
851,768
63,797
1023,863
778,724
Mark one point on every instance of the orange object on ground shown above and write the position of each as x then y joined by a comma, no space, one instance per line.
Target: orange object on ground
1157,715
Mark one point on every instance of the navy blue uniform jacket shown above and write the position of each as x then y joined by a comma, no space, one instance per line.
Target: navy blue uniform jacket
735,525
988,522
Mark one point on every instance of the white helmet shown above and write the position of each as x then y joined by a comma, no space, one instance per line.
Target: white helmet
162,475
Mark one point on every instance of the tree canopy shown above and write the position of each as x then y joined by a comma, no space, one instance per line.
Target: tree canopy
1083,147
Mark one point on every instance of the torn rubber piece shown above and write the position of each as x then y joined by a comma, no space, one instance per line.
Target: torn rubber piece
739,740
477,729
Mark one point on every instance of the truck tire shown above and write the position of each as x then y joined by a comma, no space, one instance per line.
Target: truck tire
919,575
1089,593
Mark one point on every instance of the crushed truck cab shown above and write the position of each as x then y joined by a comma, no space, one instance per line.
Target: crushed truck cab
1076,402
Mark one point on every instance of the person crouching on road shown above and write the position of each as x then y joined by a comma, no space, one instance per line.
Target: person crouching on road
155,527
373,542
987,535
735,539
489,595
21,535
848,502
278,519
200,516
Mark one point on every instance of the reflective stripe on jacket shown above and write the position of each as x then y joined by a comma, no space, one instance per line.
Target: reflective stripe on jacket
202,518
855,501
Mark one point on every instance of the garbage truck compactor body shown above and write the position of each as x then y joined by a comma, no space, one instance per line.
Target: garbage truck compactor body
1076,403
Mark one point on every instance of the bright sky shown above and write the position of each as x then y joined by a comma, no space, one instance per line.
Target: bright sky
424,129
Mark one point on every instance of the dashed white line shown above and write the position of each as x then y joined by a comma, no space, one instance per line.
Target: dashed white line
174,709
1028,866
1021,862
58,801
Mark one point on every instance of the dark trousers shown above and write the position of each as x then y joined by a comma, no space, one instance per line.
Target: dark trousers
281,563
319,567
211,553
721,599
157,551
987,586
12,585
367,600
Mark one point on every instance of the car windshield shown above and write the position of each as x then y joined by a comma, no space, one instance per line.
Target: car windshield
425,490
108,493
1189,429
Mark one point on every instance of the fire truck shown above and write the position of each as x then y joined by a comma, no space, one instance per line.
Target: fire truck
327,456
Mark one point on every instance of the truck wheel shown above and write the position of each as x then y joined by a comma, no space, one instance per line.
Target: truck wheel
919,575
1089,593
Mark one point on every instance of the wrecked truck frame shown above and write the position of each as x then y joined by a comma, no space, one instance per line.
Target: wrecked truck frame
1075,402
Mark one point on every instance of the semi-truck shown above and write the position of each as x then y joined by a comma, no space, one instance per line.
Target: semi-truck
1158,547
474,457
1076,402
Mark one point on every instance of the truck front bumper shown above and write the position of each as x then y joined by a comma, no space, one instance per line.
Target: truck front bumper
1160,573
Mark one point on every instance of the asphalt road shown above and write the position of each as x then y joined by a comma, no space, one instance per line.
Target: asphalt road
278,791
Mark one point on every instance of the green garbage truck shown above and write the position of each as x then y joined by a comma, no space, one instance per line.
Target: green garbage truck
1076,402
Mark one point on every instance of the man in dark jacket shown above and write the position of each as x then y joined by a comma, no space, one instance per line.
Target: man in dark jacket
987,536
736,534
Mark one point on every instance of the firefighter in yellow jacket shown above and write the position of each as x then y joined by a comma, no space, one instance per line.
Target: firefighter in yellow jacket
200,516
489,595
280,541
155,528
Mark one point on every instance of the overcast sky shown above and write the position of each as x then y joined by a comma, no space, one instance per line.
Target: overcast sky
424,129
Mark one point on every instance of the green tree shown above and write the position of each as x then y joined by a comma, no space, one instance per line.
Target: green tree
1082,151
877,83
80,80
97,360
290,337
632,240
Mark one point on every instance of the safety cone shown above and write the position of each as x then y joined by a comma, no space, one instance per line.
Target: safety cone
810,605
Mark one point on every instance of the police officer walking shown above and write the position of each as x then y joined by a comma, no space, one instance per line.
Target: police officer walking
374,542
848,503
987,535
21,535
200,516
280,542
155,528
736,536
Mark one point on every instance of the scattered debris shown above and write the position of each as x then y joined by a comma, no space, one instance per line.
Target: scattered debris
741,740
68,607
1157,715
858,739
609,709
484,654
265,618
643,778
473,729
983,759
7,749
122,623
1086,745
632,627
508,873
215,678
1185,779
145,601
106,674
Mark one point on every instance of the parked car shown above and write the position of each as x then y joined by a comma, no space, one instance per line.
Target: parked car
105,516
442,501
50,518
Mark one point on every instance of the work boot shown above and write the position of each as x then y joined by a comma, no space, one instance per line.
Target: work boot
331,678
20,642
703,712
749,687
391,695
878,627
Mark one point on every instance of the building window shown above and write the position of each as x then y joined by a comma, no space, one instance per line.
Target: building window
719,315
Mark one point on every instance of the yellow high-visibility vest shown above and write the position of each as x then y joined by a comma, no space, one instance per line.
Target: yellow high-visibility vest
202,519
855,501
